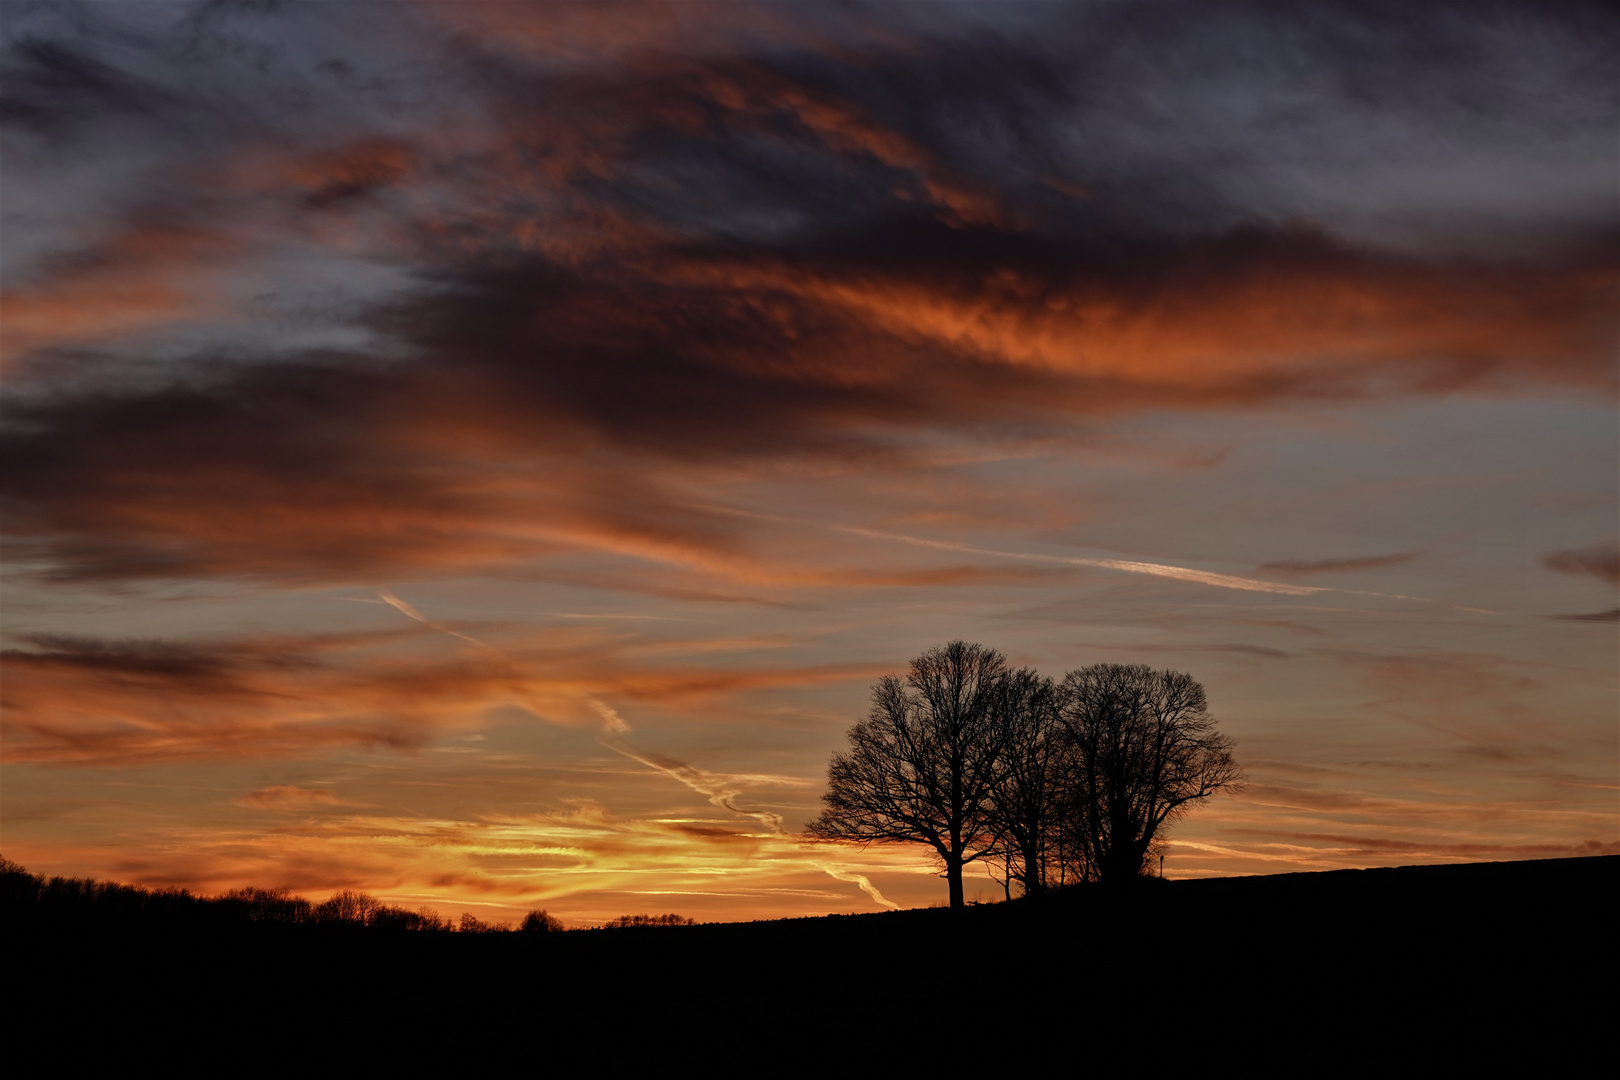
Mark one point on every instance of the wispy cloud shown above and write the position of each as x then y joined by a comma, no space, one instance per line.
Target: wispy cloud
291,797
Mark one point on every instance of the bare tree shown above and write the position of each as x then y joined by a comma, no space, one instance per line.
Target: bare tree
357,908
1027,795
1144,749
925,764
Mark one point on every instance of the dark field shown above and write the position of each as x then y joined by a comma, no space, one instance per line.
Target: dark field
1511,966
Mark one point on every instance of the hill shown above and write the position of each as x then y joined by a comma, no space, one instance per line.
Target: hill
1438,963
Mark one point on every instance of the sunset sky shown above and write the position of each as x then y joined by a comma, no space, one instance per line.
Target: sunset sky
484,454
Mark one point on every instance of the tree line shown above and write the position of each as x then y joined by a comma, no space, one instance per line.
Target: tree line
85,900
1052,781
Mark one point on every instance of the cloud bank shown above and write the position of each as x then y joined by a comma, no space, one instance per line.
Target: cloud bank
606,270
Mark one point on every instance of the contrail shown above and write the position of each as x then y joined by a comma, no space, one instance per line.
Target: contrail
1129,566
717,788
1132,566
860,880
403,608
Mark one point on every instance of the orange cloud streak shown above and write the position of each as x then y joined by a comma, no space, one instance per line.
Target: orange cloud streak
74,701
1224,331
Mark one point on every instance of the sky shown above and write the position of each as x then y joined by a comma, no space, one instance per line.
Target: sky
484,454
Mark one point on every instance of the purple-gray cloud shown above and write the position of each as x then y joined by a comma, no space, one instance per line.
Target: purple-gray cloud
1336,566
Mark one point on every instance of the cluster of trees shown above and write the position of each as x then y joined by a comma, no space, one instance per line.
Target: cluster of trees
346,908
628,922
358,909
1055,781
88,900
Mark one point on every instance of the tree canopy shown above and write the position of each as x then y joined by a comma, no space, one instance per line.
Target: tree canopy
925,765
1142,749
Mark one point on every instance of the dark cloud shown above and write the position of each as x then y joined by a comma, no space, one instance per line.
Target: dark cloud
1612,615
1336,566
96,702
1601,561
354,171
153,659
1255,650
52,86
531,389
819,239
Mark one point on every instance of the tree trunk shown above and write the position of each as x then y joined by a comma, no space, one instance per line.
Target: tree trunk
953,874
1034,868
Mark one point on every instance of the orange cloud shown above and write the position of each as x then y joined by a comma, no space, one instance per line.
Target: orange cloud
547,411
580,862
97,703
846,128
1263,319
350,171
138,276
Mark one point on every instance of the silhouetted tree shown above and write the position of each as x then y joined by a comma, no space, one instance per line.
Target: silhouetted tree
1027,795
353,908
270,905
1144,749
389,917
538,922
925,764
